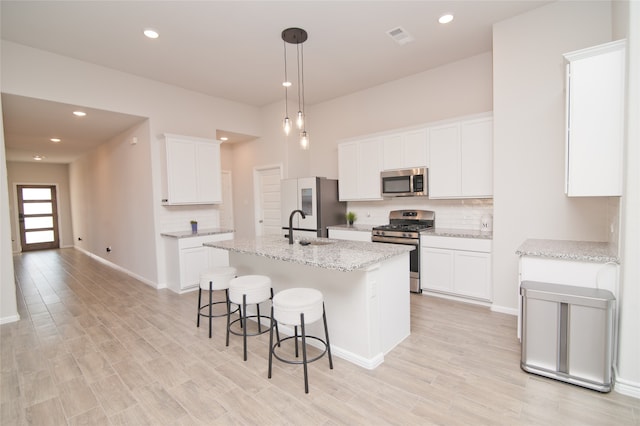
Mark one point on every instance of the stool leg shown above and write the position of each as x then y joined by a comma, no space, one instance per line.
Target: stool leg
304,353
259,322
244,323
271,344
326,335
210,305
226,295
199,305
295,333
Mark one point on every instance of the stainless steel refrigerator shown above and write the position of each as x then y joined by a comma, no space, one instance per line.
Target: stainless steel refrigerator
317,197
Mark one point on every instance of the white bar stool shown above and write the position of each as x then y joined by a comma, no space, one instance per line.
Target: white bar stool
249,290
216,279
298,307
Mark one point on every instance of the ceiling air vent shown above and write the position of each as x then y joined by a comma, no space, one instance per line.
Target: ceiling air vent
400,35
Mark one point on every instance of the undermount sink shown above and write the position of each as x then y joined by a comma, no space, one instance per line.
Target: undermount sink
315,242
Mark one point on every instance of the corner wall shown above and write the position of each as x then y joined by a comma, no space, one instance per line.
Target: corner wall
528,97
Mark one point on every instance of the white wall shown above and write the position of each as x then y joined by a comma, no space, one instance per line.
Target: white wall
20,173
528,97
8,305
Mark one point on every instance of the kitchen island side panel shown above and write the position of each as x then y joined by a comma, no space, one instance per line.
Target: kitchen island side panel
368,310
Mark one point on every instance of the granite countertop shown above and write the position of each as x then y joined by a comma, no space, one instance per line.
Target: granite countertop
200,233
339,255
458,233
354,227
584,251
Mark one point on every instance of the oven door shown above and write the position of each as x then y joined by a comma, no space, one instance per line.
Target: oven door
414,258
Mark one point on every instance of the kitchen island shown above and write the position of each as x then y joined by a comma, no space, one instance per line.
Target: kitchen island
365,287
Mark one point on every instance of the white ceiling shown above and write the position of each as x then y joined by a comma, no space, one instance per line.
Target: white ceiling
233,49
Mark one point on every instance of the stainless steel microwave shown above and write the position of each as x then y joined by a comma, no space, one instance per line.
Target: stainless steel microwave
404,182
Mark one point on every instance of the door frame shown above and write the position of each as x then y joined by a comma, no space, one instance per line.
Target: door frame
18,229
257,195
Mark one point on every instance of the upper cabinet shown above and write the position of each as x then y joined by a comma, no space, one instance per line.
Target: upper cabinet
461,159
595,91
359,166
192,172
405,150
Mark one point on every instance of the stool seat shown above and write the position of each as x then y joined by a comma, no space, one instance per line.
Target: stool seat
289,304
256,288
220,276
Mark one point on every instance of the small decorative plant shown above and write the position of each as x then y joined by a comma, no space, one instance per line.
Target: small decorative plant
351,217
194,226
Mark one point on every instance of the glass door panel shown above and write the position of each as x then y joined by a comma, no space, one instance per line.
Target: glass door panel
38,217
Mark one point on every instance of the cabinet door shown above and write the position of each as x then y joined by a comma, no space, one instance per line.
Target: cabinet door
181,172
392,152
192,262
476,158
345,234
473,274
415,149
436,272
348,171
209,180
369,167
595,122
444,161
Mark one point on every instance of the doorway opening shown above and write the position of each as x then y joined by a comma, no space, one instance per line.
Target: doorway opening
38,217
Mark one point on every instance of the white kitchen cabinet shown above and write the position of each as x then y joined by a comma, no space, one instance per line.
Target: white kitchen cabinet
187,258
192,171
595,96
405,150
359,166
461,159
349,235
456,266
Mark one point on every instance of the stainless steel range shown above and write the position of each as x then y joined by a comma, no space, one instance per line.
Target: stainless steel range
404,228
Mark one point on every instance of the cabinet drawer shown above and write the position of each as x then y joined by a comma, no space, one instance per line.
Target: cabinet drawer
454,243
191,242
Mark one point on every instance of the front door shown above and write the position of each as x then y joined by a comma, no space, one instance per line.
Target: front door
38,217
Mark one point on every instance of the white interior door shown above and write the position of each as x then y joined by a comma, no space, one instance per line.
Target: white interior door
267,200
226,208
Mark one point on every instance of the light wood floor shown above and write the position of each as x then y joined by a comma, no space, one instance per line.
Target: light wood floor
95,346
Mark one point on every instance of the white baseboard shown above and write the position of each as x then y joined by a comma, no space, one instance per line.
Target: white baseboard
504,310
9,319
119,268
626,387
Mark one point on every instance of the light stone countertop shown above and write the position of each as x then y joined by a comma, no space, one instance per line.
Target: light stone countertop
458,233
582,251
339,255
200,233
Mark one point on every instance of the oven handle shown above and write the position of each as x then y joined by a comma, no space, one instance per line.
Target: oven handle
395,240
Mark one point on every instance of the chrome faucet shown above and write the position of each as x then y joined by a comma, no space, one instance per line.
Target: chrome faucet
291,223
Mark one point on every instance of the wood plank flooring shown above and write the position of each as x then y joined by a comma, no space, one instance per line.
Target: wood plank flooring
96,347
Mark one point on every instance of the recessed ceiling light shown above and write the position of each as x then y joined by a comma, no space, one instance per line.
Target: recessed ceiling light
79,113
151,33
39,157
445,19
224,138
286,83
56,140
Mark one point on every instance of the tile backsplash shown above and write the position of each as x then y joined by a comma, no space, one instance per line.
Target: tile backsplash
456,214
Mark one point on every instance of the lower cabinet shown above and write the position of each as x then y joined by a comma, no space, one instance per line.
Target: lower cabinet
346,234
456,266
187,258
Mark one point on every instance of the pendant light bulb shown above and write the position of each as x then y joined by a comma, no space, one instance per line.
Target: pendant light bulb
286,125
304,140
300,120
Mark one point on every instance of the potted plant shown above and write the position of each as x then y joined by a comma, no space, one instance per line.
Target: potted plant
194,226
351,217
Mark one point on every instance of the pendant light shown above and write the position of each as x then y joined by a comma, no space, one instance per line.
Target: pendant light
295,36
